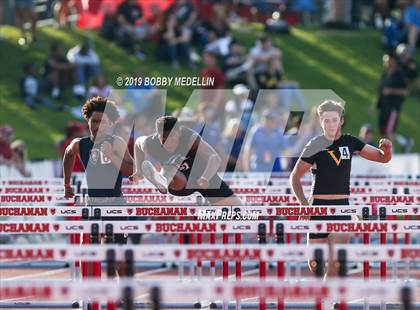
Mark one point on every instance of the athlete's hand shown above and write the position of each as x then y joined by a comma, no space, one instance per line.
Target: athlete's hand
203,182
68,191
385,145
106,149
136,176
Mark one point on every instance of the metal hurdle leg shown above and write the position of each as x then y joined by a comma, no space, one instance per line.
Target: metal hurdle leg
155,298
111,261
96,266
342,273
199,261
128,298
406,298
262,239
212,262
129,263
128,295
280,264
382,216
86,271
225,269
319,271
366,265
111,272
212,304
407,241
238,270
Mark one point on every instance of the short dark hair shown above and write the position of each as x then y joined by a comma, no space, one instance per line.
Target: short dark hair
27,67
54,47
265,38
233,42
330,106
165,124
211,54
100,104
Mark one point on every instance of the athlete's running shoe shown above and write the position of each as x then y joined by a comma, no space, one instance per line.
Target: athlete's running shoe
154,177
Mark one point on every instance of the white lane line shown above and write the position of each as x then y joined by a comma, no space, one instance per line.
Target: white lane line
150,272
141,296
15,299
34,275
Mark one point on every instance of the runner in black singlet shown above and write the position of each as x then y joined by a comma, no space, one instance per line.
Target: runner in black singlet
180,149
329,156
105,157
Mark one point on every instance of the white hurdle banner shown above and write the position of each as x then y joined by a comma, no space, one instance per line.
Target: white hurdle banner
29,227
215,211
203,252
181,227
164,253
271,289
349,226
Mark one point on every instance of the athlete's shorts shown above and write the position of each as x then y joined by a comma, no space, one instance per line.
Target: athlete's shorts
328,202
218,190
115,201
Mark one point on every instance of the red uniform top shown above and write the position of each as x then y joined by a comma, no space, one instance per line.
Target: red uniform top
5,150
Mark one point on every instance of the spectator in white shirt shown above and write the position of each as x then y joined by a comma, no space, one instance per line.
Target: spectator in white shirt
86,61
261,55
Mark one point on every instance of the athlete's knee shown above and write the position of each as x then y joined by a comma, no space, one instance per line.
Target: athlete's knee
313,265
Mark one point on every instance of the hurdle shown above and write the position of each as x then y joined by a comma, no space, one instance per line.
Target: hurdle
157,199
291,229
170,210
272,202
271,290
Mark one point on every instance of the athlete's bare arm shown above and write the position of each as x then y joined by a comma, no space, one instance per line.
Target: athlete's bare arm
298,172
70,154
140,153
204,150
383,154
119,156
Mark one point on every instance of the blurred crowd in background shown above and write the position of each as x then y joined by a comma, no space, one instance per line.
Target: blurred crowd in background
197,34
